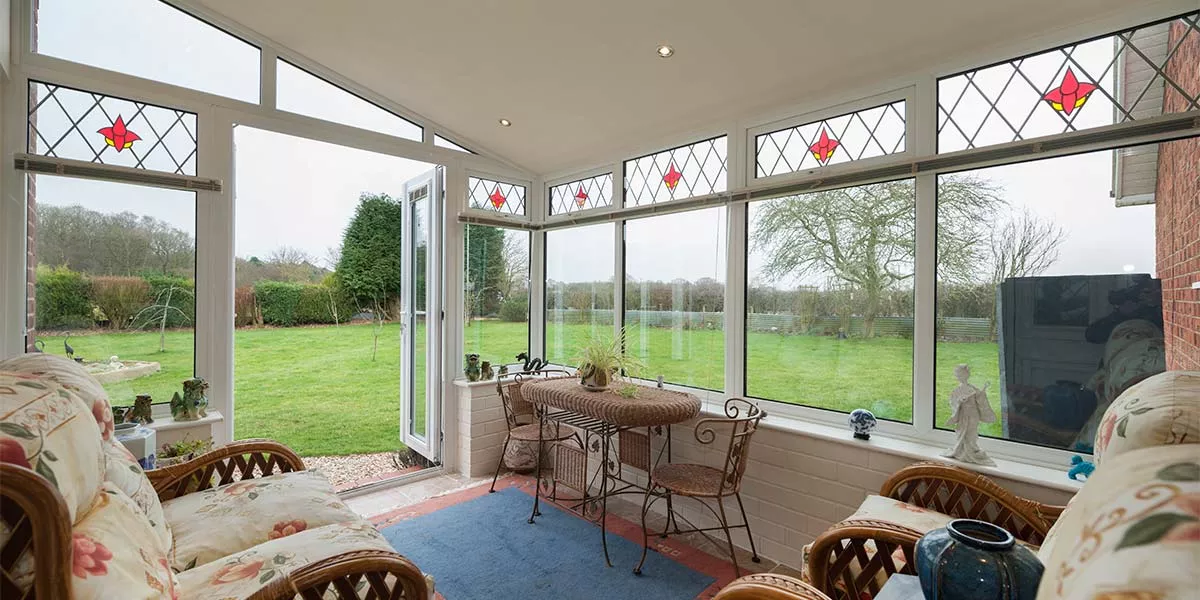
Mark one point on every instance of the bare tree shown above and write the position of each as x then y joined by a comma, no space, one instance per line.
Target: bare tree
865,236
160,311
333,255
1023,246
516,264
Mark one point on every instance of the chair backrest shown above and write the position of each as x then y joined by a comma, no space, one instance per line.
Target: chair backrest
742,417
516,407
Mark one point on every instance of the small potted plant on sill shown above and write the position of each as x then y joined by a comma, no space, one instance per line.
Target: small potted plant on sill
182,451
601,359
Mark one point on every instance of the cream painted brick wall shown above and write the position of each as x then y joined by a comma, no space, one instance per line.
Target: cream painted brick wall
796,486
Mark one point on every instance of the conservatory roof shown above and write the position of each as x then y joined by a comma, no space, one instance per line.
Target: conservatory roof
581,81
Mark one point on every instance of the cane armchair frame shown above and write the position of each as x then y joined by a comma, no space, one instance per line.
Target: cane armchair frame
769,586
38,517
845,560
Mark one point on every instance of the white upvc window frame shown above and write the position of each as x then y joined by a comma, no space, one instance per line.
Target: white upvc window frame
617,190
907,94
216,117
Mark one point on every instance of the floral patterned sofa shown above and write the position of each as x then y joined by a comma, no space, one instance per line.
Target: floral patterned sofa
80,519
1131,533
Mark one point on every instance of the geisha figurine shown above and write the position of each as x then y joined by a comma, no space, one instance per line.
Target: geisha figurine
969,407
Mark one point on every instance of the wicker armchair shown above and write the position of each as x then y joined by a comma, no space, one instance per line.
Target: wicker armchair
36,514
769,586
852,559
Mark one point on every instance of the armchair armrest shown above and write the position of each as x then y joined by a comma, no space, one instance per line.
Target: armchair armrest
386,575
854,558
39,523
965,494
768,586
245,459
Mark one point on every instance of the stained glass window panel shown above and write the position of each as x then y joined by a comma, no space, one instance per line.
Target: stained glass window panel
876,131
1130,75
303,93
584,194
495,196
693,170
69,123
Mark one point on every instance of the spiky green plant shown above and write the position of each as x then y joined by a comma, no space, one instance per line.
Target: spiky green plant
603,356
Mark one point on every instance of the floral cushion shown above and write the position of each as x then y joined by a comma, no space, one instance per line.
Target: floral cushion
123,470
50,429
70,375
224,520
115,553
242,574
1161,410
1132,532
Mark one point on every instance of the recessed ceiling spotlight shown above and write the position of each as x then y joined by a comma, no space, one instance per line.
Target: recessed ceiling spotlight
505,123
665,51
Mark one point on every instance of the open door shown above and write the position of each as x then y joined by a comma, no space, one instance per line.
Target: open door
421,317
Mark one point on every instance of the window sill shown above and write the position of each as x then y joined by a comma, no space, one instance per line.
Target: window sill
168,423
1006,468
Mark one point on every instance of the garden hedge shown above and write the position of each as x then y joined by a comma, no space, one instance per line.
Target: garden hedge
63,298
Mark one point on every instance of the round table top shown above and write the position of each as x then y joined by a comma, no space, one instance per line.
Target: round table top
652,406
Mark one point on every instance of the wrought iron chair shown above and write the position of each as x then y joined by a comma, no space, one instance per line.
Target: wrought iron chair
521,416
703,481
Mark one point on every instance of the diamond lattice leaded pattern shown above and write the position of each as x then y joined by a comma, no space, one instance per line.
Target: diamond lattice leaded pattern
584,194
876,131
693,170
495,196
1134,74
70,123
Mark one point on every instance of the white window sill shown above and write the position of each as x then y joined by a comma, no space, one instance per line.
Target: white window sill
168,423
1005,468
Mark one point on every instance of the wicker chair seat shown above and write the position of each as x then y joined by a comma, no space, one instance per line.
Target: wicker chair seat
690,480
551,432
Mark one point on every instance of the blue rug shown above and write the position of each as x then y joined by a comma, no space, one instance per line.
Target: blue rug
484,548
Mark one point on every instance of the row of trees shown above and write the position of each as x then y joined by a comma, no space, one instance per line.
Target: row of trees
126,244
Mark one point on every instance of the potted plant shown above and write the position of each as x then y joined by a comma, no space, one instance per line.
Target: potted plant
602,358
182,451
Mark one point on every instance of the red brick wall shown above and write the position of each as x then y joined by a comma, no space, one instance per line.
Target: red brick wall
1178,216
31,234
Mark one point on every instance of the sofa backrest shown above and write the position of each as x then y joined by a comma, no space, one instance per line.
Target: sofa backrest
1160,410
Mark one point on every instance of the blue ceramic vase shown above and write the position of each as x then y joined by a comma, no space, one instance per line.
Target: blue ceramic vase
975,560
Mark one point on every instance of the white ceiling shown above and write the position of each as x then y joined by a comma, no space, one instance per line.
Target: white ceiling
580,79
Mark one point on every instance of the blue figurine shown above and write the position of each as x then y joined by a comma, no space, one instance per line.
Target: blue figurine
862,422
1080,467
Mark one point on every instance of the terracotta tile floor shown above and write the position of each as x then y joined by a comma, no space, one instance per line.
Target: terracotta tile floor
379,502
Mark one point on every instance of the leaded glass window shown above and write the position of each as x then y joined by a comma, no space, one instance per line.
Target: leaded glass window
495,196
693,170
876,131
1130,75
584,194
69,123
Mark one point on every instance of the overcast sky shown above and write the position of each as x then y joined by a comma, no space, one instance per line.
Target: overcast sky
296,192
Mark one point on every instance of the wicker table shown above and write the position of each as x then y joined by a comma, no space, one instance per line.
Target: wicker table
603,416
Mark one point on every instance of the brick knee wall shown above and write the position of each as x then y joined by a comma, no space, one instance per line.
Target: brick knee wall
1178,217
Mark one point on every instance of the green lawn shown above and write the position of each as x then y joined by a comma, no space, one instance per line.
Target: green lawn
318,390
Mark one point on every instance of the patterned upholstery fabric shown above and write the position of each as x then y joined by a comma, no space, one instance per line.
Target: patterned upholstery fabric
1133,531
1135,350
224,520
123,471
1161,410
116,554
120,466
240,575
50,429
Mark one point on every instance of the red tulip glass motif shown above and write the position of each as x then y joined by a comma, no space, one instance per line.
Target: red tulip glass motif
822,149
581,197
497,198
672,177
1070,94
118,136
